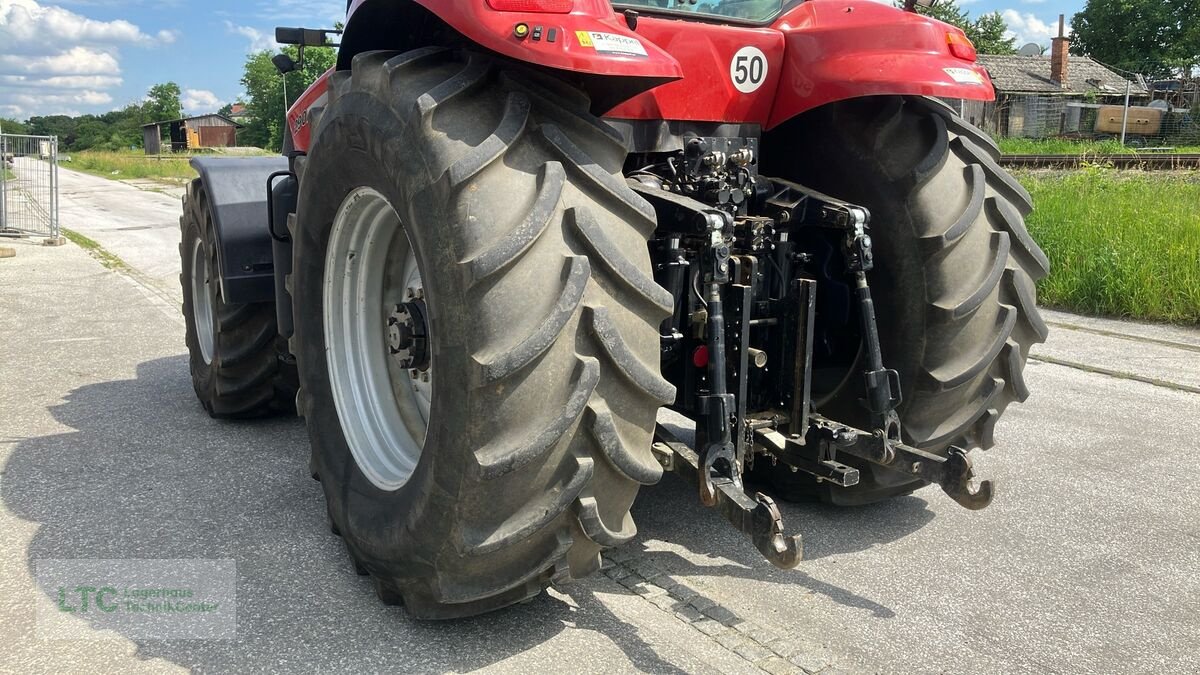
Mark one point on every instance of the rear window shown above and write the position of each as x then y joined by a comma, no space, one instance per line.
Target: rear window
757,11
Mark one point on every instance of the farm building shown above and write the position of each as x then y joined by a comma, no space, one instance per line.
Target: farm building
191,133
1055,94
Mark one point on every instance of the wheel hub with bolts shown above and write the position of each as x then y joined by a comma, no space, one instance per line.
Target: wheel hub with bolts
408,337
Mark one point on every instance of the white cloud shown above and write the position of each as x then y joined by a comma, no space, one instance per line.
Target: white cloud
200,101
26,25
258,41
1026,27
55,60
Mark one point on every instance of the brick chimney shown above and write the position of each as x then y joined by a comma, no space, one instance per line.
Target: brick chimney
1059,47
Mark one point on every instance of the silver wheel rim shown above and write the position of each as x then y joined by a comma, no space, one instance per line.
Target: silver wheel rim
370,268
202,304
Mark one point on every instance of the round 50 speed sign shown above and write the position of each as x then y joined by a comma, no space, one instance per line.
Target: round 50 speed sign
748,69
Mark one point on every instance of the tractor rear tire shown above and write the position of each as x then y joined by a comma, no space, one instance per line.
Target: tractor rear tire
238,362
542,328
954,274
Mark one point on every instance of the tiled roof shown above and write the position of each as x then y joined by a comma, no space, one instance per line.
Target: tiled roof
1031,74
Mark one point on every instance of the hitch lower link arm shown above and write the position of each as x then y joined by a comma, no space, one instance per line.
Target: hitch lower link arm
953,473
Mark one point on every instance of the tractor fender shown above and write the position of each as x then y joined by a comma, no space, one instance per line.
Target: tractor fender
584,37
836,50
816,53
236,192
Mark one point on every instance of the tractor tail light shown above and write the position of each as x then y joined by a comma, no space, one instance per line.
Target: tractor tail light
960,46
533,6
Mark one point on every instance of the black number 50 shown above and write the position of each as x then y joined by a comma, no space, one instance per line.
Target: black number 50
749,69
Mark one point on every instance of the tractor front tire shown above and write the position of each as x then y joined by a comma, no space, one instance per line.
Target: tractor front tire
954,273
237,360
543,382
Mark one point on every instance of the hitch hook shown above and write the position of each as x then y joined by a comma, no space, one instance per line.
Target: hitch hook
758,517
958,482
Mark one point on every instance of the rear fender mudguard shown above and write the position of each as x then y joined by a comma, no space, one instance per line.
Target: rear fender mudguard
841,49
818,52
590,40
236,190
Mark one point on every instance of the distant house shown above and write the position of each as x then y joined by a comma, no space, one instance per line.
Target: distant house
239,114
192,133
1048,95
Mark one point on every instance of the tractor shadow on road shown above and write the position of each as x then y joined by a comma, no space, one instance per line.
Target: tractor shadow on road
145,473
671,512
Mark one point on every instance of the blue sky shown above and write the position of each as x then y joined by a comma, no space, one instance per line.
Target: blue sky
92,56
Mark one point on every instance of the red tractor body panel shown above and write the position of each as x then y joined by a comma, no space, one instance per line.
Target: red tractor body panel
554,38
840,49
817,52
298,117
707,92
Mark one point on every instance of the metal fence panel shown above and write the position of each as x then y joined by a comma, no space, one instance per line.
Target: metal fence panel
28,185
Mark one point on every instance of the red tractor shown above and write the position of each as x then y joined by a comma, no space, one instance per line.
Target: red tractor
504,233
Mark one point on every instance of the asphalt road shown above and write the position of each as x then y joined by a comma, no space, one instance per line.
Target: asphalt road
1087,561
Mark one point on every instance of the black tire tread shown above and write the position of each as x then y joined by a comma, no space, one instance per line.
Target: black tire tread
248,376
571,505
967,308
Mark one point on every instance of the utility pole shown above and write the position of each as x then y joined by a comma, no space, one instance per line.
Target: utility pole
1125,118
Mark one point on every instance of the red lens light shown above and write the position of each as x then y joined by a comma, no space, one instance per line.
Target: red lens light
533,6
700,356
960,46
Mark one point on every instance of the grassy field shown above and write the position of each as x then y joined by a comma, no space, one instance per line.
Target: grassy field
1121,244
126,165
1062,146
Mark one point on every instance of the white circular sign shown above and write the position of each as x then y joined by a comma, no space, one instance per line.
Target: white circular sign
748,70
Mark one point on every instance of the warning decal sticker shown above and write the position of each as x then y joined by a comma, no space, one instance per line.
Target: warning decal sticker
610,43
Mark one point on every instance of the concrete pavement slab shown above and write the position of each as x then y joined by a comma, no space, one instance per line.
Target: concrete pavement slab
138,226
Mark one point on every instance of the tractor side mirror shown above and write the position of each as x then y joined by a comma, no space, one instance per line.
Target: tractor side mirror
284,64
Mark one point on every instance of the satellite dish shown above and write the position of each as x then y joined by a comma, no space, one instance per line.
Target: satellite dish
1031,49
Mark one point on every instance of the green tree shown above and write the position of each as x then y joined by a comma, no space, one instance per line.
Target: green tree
985,32
264,92
162,103
12,126
1160,38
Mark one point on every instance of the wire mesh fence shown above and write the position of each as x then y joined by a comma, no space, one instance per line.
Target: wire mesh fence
28,186
1160,123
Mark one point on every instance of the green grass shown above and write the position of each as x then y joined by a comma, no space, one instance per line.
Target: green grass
127,165
97,251
1063,146
1123,244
